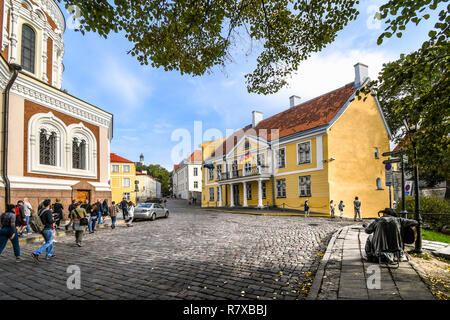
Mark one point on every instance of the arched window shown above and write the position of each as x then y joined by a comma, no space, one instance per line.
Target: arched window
47,148
28,48
379,187
78,154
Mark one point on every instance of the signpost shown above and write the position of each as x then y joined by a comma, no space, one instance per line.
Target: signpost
388,176
400,160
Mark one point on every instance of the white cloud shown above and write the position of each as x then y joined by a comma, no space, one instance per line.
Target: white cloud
123,83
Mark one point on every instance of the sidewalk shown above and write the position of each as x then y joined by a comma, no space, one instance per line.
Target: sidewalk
264,211
35,237
343,273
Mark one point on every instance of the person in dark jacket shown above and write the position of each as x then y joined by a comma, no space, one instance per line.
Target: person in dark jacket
93,217
9,231
47,219
72,206
21,220
124,207
105,209
99,208
58,212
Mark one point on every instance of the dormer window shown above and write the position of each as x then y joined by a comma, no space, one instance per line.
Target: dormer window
28,48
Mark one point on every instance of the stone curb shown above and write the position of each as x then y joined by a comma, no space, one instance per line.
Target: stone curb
39,238
318,278
267,214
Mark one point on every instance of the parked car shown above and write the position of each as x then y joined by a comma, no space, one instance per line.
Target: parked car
150,211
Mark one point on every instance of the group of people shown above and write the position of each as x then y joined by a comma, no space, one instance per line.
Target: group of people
16,220
341,206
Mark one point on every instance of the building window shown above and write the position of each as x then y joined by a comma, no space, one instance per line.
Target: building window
234,168
219,171
249,192
126,182
248,168
47,148
115,168
195,172
263,188
379,186
126,168
247,145
281,158
218,193
281,188
304,152
211,194
126,195
28,48
195,184
377,153
78,154
304,186
211,174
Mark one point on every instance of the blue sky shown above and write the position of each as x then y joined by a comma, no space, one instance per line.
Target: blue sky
149,104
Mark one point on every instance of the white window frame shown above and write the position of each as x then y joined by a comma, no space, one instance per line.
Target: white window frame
264,190
195,172
127,195
195,184
126,168
278,190
112,168
124,185
309,160
379,184
258,159
210,174
377,153
302,182
278,158
249,192
248,167
219,171
211,194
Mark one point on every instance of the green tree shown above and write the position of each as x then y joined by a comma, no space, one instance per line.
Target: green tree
193,36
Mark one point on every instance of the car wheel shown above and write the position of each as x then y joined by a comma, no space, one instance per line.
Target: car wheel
153,217
167,214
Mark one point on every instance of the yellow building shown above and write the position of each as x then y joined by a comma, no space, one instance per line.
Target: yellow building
123,176
327,148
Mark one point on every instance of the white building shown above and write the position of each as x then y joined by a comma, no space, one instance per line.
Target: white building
187,177
149,187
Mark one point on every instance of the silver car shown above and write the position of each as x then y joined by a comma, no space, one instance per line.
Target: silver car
150,211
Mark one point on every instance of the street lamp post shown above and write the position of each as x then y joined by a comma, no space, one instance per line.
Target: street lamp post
417,217
404,211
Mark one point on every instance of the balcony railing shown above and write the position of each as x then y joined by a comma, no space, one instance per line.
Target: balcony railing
246,172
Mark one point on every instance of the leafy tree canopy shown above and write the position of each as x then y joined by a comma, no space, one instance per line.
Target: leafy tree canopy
159,173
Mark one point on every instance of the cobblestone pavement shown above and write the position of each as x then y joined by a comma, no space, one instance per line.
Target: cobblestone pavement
193,254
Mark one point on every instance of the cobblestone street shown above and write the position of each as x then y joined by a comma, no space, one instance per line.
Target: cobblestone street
194,254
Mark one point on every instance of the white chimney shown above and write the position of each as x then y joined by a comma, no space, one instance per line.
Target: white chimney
294,101
361,74
257,118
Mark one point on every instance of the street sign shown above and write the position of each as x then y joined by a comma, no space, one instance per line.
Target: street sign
393,153
409,188
388,171
393,160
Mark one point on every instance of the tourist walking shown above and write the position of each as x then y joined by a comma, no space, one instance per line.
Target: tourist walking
47,220
78,221
27,208
72,206
124,207
113,210
357,207
93,218
306,208
21,221
104,209
332,208
58,212
8,231
341,206
130,214
99,208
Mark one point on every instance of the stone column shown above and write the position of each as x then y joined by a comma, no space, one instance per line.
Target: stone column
260,204
44,56
220,196
245,195
231,195
13,39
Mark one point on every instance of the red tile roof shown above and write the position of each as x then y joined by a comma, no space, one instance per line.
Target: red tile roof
175,167
140,173
308,115
116,158
196,156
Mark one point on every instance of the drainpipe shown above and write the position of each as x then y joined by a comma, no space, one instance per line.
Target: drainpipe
14,68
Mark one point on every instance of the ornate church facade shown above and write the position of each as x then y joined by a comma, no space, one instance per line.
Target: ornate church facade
54,145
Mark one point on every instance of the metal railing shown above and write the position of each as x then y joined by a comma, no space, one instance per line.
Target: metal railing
246,172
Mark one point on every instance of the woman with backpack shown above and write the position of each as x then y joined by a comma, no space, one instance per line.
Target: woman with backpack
130,213
79,222
9,231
